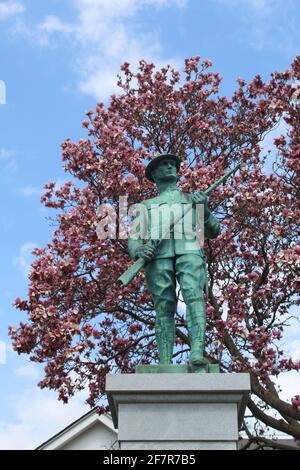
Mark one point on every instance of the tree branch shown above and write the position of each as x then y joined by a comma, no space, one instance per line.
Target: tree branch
278,424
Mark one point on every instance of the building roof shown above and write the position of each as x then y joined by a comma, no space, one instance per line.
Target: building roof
76,428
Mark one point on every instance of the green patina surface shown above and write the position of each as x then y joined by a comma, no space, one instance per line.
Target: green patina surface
169,259
177,369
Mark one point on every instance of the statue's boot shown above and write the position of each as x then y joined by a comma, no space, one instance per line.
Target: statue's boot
196,322
165,337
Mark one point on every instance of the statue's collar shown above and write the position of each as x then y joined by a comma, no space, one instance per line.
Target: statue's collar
168,190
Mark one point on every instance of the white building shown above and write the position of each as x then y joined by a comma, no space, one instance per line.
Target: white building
90,432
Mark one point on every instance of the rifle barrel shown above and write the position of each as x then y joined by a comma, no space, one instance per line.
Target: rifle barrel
223,178
133,270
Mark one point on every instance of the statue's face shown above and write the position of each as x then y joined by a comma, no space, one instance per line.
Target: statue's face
165,170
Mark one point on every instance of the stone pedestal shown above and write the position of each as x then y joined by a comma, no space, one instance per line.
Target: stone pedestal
178,411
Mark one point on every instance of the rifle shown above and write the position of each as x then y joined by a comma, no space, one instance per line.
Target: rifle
134,269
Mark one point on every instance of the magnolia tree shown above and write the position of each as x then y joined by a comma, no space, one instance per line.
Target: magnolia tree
82,324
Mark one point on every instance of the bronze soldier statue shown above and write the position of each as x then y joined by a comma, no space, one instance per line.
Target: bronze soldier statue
176,258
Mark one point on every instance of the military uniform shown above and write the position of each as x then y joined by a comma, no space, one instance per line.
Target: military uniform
179,257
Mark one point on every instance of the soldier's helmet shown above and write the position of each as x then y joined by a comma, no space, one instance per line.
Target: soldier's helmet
156,160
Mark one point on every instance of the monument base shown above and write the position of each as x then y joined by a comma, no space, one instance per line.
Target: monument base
177,411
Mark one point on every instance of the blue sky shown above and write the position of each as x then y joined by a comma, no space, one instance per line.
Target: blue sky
58,57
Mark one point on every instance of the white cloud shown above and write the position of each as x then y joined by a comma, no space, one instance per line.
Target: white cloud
102,27
105,33
289,383
98,71
28,370
45,31
53,24
7,159
30,191
295,351
35,416
2,92
24,259
97,18
267,144
290,341
10,8
3,350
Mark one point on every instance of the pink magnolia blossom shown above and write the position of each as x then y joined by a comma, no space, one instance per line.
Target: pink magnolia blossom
81,324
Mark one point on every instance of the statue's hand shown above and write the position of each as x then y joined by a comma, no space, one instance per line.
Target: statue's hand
146,251
199,198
